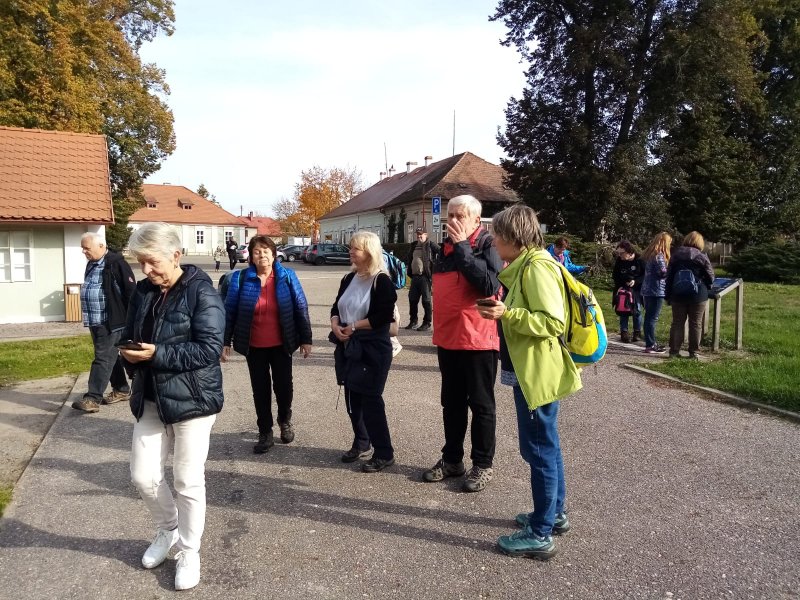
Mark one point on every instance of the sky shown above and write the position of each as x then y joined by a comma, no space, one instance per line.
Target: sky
262,91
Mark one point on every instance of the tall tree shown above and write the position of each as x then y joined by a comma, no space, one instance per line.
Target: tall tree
292,220
645,114
202,190
73,65
321,190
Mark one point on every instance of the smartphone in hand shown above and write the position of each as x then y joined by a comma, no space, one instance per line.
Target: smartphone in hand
129,345
485,301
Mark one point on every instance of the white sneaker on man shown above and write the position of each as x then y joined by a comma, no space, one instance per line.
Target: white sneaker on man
187,573
157,552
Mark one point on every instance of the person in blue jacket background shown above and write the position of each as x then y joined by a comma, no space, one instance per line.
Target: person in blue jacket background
561,254
267,320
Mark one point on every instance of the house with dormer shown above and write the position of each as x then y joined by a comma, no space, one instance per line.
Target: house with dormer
54,187
407,199
200,224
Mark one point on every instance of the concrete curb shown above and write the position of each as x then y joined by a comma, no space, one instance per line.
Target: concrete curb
720,395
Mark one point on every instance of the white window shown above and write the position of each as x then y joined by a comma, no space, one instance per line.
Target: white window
201,237
15,256
228,235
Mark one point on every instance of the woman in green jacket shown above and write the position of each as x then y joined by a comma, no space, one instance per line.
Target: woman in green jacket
538,367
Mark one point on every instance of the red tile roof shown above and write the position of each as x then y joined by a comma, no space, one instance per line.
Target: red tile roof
463,173
170,200
263,225
54,176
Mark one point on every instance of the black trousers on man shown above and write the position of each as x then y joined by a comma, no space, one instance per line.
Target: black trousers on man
277,362
420,289
468,378
232,259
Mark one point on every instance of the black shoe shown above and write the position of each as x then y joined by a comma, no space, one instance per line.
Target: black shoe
287,432
265,442
374,465
424,327
411,325
353,455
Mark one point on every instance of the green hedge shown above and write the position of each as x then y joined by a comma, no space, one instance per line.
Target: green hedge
775,262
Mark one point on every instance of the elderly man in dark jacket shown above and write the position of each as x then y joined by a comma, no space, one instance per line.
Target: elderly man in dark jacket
108,285
420,267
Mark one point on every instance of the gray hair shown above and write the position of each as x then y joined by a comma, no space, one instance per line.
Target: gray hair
470,203
96,238
518,225
154,239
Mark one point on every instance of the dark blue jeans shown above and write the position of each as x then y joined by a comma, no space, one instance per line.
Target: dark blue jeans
652,309
368,417
541,449
106,364
420,290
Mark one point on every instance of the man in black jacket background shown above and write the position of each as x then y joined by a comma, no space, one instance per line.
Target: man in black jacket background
420,268
108,285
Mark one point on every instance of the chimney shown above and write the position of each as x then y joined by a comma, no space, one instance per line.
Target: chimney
383,176
250,215
391,171
409,164
428,158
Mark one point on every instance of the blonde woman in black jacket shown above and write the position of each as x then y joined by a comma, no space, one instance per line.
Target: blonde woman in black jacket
360,320
178,320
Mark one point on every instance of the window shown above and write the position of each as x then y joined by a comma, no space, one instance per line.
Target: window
201,237
187,207
15,256
228,236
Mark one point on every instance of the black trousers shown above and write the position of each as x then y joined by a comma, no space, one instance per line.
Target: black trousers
260,362
232,259
420,289
468,378
370,427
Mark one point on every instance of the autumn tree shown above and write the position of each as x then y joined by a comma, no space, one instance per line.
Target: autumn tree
292,220
320,191
74,66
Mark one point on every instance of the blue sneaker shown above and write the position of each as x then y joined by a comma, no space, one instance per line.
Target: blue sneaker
527,543
560,526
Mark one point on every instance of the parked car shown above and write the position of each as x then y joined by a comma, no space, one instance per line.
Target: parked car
326,252
242,253
280,255
304,253
292,253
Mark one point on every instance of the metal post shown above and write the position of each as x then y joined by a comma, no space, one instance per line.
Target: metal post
739,314
717,317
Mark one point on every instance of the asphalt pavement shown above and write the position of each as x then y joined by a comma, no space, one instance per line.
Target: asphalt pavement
670,495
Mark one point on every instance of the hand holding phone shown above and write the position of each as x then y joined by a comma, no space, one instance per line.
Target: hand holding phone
485,302
129,345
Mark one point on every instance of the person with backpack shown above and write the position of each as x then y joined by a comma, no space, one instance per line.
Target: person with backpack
267,321
689,277
537,365
656,258
628,276
467,346
559,251
397,273
420,265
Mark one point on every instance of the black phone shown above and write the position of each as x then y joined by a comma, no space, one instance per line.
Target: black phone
485,301
129,345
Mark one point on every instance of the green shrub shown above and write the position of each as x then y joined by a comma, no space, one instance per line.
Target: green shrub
773,262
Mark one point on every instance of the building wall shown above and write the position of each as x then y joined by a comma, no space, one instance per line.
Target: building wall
213,236
341,229
42,297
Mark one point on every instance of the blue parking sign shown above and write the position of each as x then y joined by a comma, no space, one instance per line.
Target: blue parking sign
436,208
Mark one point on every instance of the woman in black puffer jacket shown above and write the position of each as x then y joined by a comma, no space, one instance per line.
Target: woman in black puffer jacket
178,319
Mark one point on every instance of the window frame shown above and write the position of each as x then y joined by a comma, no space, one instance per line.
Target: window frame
12,265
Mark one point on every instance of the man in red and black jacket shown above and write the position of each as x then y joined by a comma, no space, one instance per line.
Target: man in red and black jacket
468,346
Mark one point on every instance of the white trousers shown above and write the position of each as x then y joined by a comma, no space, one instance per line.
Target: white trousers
189,440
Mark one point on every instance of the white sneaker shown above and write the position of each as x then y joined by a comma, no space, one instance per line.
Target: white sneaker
187,573
396,346
158,550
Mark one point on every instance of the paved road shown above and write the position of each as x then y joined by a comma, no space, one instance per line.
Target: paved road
670,495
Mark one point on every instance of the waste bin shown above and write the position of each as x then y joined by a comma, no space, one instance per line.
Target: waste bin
72,302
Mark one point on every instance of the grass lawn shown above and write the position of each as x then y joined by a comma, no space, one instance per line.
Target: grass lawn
768,368
5,497
38,359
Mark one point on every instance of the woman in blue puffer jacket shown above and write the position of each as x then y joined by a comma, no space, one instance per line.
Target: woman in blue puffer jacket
267,320
177,321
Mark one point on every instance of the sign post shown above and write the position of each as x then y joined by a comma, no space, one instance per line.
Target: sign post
436,213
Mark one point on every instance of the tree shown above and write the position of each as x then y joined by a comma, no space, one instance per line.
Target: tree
648,114
74,66
401,227
203,191
292,220
321,190
391,227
